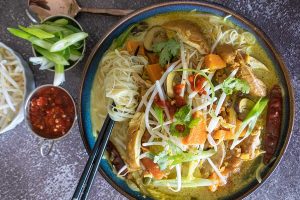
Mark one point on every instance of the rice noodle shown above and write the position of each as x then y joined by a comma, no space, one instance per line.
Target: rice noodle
120,87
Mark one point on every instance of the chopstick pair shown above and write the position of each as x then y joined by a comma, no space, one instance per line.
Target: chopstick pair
91,167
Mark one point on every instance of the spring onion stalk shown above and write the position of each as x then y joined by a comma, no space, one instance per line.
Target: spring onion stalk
61,21
54,57
42,61
74,54
52,28
59,76
68,41
185,183
37,32
34,40
250,121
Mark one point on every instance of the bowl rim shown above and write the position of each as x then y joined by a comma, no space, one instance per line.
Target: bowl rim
262,35
84,41
26,107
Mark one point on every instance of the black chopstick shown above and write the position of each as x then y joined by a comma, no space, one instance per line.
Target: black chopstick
90,169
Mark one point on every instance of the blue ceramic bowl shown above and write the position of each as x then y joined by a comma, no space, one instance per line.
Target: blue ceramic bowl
139,15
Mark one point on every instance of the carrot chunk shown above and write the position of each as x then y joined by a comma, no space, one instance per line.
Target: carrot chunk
154,71
198,133
152,168
133,47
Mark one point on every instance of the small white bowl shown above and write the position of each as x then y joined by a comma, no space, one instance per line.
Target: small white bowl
29,85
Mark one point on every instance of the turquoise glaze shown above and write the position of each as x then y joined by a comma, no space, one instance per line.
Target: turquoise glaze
92,67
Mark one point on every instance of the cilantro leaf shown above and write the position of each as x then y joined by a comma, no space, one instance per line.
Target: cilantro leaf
159,114
167,50
184,114
234,84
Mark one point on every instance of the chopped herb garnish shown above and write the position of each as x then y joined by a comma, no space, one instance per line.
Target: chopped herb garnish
167,50
231,85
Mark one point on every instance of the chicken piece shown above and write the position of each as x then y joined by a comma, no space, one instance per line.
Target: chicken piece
232,162
250,145
227,53
189,33
257,87
136,130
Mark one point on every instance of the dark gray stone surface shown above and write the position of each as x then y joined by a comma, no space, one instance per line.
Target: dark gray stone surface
24,174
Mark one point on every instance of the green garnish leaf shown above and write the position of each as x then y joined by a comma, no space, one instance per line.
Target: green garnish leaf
231,85
183,114
183,117
194,122
167,50
250,120
159,114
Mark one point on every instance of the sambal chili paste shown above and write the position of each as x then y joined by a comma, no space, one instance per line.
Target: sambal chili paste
51,112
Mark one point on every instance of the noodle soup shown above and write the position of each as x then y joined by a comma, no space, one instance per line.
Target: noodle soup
190,93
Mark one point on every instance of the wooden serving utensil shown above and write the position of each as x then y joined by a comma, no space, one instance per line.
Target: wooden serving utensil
46,8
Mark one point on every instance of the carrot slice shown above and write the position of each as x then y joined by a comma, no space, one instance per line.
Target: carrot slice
154,71
214,62
198,133
152,168
132,46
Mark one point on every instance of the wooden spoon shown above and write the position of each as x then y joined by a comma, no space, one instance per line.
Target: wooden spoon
46,8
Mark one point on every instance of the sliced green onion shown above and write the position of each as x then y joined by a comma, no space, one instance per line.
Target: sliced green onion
52,28
59,76
250,121
30,38
68,41
74,54
61,21
185,183
54,57
37,32
73,28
